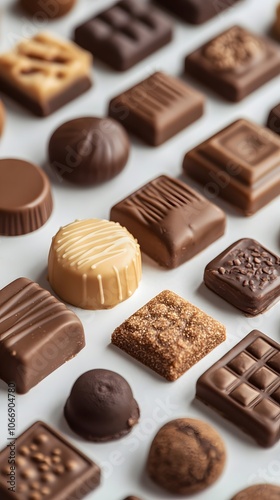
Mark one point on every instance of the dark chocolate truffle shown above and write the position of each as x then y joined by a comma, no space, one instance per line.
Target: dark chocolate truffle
101,406
259,492
89,150
186,456
47,8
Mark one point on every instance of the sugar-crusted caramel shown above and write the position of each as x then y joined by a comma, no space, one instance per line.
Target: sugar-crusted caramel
94,264
44,66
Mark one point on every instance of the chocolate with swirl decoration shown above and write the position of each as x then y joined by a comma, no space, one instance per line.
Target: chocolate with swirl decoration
94,264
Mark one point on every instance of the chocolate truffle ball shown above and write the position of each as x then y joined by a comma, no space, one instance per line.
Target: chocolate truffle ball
89,150
101,406
259,492
51,9
2,117
186,456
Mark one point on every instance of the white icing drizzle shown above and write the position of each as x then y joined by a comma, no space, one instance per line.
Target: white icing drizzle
118,282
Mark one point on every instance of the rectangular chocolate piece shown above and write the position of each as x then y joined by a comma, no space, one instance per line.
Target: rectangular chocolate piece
170,220
235,63
197,11
273,121
244,387
241,164
169,335
46,466
37,334
44,73
247,275
157,108
124,34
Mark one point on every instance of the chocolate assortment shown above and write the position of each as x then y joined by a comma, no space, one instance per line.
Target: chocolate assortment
74,351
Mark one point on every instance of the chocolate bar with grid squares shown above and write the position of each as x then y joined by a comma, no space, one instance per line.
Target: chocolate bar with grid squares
244,387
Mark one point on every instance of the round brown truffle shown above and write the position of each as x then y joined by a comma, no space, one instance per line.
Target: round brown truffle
101,406
51,9
186,456
259,492
89,150
2,117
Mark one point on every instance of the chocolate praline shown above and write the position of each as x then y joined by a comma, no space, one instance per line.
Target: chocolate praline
101,406
89,150
45,8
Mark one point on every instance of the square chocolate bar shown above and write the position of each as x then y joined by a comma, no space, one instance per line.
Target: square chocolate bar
273,121
197,11
47,466
157,108
244,387
37,334
235,63
169,335
247,275
124,34
170,220
44,73
241,164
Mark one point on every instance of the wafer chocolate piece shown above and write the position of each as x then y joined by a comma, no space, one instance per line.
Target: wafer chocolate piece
196,11
235,63
259,492
171,221
2,117
273,121
157,108
169,335
247,275
47,467
241,164
37,334
244,386
44,73
124,34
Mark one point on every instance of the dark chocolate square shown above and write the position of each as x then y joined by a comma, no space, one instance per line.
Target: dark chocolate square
47,466
273,121
157,108
247,275
251,400
197,11
235,63
241,164
170,220
124,34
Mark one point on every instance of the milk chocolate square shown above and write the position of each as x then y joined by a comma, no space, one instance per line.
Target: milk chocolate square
247,275
244,387
197,11
44,73
46,466
241,163
124,34
273,121
157,108
37,334
169,335
171,221
235,63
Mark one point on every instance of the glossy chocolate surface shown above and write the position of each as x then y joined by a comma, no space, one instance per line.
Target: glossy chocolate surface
235,63
124,34
241,164
244,387
247,275
170,220
47,467
25,197
89,150
197,11
101,406
157,108
37,334
273,121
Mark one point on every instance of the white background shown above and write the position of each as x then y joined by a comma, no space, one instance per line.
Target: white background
27,137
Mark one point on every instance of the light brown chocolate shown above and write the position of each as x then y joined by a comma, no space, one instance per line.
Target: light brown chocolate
2,117
94,264
46,8
259,492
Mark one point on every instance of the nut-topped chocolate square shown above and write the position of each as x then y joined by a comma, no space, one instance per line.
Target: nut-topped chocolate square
247,275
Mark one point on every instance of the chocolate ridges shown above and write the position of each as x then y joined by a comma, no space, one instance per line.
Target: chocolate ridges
157,108
244,387
25,197
196,11
37,334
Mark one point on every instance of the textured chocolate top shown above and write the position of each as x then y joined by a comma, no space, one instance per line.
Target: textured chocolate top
259,492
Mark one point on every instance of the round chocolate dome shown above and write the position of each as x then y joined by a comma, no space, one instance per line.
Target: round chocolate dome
89,150
101,406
